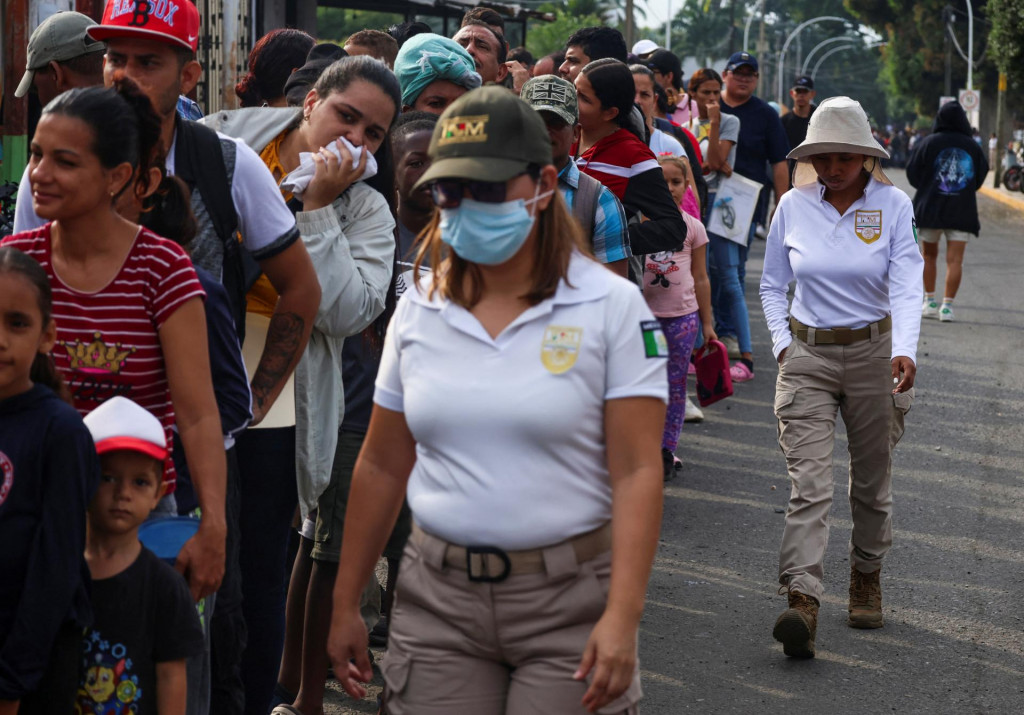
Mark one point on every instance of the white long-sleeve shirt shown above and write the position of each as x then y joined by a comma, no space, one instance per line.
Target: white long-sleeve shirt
850,270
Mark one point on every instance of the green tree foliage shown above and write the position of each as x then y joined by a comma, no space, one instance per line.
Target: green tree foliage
546,37
570,15
337,24
1007,38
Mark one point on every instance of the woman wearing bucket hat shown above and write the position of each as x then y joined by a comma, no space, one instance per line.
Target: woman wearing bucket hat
520,398
847,237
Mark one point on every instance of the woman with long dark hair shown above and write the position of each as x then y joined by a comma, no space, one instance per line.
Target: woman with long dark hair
615,153
348,228
272,60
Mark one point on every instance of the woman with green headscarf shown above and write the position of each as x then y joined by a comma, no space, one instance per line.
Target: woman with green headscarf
433,72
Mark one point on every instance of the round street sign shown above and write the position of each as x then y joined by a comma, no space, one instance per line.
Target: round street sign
970,99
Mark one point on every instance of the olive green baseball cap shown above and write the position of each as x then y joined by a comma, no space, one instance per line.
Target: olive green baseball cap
59,38
488,134
548,93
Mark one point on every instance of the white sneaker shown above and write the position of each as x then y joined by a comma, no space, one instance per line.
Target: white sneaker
693,413
946,313
930,309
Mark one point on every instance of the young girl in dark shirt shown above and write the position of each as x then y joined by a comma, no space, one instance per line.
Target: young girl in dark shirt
48,473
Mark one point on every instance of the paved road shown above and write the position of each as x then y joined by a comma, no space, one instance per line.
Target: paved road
954,635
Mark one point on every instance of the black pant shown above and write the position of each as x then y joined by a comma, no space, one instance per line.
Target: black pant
227,627
266,462
57,689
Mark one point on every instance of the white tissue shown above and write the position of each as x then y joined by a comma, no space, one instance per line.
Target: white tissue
297,181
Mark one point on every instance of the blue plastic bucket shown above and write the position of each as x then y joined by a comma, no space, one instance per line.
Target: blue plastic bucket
165,536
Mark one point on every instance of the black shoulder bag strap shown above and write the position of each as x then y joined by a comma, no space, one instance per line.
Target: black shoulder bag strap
199,161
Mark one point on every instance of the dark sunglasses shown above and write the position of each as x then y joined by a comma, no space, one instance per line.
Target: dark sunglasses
448,193
801,90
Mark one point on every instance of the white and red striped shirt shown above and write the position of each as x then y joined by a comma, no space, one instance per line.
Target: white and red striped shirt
108,342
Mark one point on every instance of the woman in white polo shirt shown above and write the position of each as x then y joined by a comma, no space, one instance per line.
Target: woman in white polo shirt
523,386
847,237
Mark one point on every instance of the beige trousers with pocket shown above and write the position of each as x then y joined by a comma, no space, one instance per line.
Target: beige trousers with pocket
457,647
815,383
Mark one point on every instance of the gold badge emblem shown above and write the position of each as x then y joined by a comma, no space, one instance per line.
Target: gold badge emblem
464,130
868,225
560,347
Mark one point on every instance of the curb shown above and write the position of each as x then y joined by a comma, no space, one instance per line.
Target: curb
1002,198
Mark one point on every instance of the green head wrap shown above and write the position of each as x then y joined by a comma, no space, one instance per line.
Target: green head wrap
425,58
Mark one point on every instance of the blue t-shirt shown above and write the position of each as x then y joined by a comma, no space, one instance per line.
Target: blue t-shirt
762,139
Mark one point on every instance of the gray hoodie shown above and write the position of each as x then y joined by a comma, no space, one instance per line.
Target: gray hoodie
352,246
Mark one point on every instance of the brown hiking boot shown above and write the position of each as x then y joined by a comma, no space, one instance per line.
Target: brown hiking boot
797,626
865,600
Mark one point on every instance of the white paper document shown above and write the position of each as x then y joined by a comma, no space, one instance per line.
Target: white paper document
734,206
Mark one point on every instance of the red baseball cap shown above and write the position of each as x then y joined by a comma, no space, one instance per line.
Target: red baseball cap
173,21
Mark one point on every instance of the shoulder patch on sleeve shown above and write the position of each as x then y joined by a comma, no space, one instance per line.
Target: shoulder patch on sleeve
655,344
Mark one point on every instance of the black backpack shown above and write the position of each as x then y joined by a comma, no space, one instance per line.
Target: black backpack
199,162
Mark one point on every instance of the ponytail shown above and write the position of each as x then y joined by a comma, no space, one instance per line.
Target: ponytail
168,212
44,372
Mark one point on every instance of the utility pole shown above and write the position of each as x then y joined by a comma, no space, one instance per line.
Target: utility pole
997,170
947,24
629,24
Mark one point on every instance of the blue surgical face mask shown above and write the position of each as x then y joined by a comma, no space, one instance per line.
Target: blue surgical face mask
489,233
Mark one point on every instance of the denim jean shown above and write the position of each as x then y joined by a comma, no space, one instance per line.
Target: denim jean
724,269
733,270
266,465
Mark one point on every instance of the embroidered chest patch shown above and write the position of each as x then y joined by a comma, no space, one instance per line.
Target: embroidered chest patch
560,347
867,225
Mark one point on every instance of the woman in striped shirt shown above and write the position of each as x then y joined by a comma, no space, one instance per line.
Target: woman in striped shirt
127,303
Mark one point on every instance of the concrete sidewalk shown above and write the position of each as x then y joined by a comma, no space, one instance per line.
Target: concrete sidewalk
1013,199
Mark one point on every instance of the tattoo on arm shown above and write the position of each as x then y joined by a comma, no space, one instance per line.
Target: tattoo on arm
284,336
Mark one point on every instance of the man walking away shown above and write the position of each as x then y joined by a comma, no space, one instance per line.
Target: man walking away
947,168
795,122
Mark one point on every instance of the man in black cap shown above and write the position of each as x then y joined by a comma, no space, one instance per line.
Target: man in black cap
795,122
762,143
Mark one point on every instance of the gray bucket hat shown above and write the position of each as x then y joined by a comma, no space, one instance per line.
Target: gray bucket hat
838,125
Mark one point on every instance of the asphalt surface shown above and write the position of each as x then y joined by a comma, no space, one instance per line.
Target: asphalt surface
954,635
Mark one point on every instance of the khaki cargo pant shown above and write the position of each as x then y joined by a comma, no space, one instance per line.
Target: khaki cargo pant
815,383
457,647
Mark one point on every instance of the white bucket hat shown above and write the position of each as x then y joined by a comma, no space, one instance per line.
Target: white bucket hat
838,125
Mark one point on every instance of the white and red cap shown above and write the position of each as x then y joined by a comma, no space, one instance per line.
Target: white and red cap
120,423
175,22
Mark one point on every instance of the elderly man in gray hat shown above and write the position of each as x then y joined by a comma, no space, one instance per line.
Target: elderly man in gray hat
61,56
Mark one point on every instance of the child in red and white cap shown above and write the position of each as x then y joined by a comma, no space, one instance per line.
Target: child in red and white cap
145,624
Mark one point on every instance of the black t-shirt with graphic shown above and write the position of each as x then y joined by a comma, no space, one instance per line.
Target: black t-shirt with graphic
143,616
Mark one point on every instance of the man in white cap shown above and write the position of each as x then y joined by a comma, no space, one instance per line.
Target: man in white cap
61,56
645,47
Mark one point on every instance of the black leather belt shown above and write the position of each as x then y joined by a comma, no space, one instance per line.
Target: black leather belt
838,336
